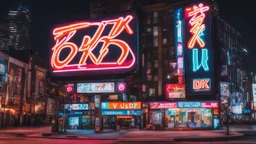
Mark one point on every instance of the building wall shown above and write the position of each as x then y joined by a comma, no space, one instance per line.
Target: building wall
20,28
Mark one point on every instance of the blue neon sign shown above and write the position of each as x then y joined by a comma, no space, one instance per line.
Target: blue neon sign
120,112
189,104
179,43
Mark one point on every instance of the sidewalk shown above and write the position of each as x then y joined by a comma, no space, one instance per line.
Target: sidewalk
123,135
145,135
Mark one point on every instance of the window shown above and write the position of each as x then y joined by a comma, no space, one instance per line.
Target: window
155,31
164,41
148,29
155,42
155,63
151,91
149,77
155,14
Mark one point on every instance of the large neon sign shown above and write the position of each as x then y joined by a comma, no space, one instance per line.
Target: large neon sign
198,53
101,46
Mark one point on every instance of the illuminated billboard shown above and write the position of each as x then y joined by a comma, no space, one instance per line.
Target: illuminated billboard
198,45
120,105
106,87
71,107
105,46
175,91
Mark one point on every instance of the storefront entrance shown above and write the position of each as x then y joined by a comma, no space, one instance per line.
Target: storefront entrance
183,114
188,117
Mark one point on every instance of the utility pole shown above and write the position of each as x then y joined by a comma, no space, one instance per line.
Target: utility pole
228,117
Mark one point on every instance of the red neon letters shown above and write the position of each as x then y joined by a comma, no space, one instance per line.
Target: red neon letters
197,23
63,35
201,84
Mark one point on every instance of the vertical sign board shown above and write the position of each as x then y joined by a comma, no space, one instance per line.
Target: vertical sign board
179,43
199,57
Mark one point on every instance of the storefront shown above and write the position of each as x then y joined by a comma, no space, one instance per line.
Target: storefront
121,114
183,114
79,116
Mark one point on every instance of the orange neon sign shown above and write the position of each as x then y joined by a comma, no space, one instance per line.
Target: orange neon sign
93,50
201,84
197,24
121,105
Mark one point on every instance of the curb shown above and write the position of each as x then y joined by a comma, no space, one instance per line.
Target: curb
145,139
250,134
71,138
210,139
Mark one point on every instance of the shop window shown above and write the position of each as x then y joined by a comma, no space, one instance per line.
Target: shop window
155,42
155,31
156,117
188,117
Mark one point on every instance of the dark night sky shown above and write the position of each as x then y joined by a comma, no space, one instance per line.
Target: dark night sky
46,13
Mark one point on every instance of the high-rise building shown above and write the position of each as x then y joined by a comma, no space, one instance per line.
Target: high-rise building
4,36
19,28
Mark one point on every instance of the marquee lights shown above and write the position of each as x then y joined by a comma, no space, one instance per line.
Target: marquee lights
64,34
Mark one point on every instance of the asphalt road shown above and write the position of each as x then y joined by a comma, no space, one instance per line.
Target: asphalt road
246,140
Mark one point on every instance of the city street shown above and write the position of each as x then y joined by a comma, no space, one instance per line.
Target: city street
247,140
34,135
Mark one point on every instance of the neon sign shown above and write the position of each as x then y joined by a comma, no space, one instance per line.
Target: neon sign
199,57
179,38
201,84
103,46
121,87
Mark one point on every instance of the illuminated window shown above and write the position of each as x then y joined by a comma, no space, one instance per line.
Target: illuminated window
155,14
164,41
151,92
155,31
155,42
148,29
149,77
155,63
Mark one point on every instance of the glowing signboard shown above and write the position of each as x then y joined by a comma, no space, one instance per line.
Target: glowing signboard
189,104
107,87
179,46
120,112
162,105
94,47
120,105
175,91
199,57
71,107
195,104
121,87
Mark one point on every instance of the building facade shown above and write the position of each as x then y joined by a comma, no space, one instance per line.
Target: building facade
189,66
19,28
4,36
